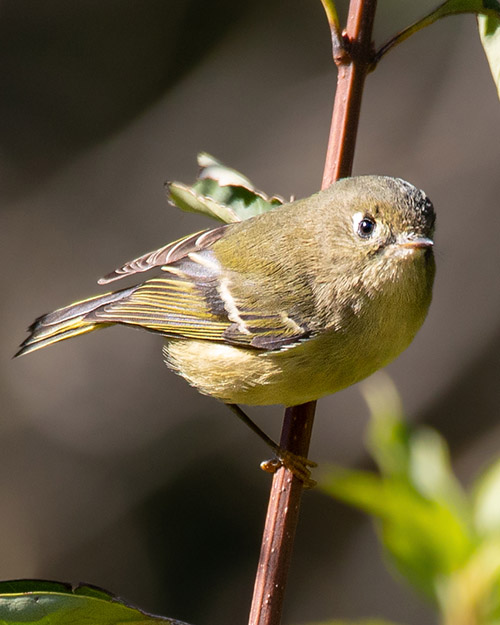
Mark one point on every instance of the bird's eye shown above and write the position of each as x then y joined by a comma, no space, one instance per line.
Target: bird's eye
366,227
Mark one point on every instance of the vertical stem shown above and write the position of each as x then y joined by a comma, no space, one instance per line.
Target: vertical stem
281,522
354,62
353,66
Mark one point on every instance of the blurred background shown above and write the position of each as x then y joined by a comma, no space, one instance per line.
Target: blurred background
114,471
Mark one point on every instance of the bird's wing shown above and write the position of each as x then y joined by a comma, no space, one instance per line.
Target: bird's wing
198,299
165,255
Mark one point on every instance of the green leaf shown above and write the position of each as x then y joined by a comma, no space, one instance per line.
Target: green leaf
212,168
332,15
452,7
474,589
387,435
188,200
455,7
420,458
487,501
370,621
424,538
431,472
54,603
489,31
221,193
333,22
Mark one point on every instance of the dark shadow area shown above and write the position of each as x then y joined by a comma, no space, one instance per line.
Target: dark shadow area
74,73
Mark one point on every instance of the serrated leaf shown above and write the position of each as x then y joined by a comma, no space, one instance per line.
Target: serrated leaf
487,500
53,603
212,168
187,199
425,539
489,31
244,201
221,193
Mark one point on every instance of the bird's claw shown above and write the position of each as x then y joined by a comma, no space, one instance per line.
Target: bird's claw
298,465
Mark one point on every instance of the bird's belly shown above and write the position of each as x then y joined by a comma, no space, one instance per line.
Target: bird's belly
308,371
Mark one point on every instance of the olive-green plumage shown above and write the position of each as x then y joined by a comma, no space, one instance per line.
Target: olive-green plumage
285,307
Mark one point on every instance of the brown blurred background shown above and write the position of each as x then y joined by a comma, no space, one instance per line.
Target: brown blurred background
114,471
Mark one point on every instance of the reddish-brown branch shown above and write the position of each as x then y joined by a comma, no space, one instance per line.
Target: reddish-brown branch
353,66
281,521
353,63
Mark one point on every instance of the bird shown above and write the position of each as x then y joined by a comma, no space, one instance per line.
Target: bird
284,307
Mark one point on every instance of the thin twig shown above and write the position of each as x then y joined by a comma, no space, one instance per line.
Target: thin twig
286,491
408,31
443,10
352,70
281,522
333,22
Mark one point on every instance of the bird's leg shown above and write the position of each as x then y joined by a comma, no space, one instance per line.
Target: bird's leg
298,465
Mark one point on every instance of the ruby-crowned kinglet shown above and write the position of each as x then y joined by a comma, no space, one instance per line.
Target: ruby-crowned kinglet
284,307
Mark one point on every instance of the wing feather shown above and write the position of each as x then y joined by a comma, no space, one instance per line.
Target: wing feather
194,300
197,296
198,299
166,255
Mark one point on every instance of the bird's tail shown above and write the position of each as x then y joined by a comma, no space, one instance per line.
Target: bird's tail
73,320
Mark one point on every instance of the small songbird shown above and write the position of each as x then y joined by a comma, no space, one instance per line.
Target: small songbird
282,308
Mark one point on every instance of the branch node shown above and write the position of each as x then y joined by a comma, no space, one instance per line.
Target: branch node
342,49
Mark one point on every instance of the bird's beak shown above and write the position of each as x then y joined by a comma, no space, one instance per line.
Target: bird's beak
416,243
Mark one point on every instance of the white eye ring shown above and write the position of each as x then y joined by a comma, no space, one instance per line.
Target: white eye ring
364,225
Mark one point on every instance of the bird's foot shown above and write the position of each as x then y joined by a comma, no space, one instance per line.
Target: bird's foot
298,465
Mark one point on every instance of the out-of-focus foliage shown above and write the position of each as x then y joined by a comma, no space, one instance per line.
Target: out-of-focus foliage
52,603
363,622
489,31
221,193
444,540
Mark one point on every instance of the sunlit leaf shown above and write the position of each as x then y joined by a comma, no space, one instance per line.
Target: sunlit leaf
221,193
387,433
492,585
431,472
425,539
419,457
187,199
489,31
244,201
52,603
487,500
451,7
490,8
473,589
212,168
370,621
